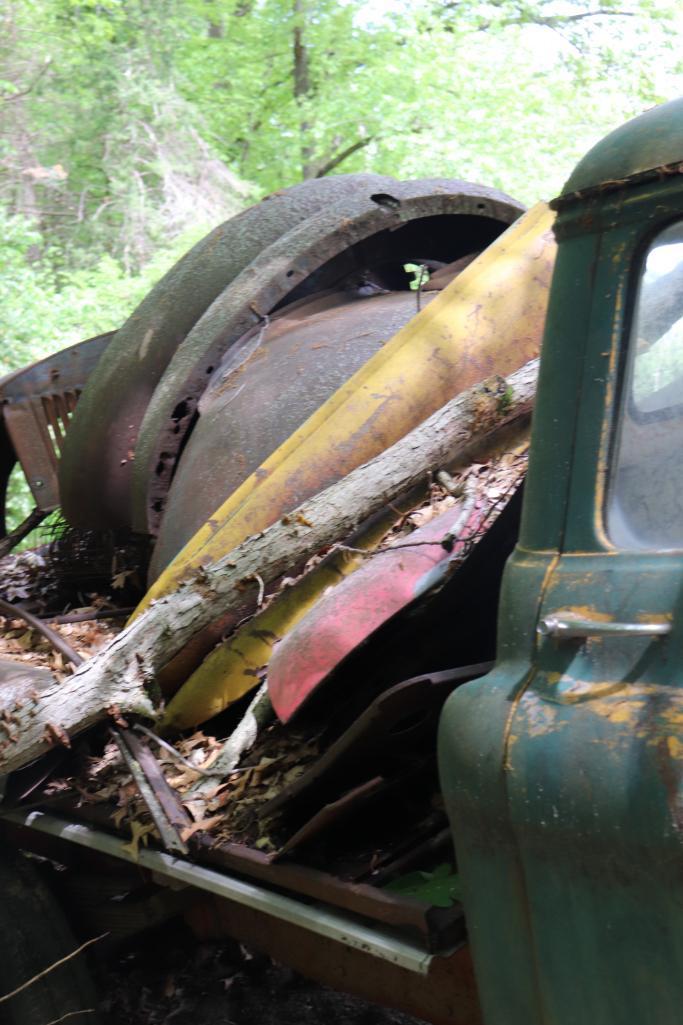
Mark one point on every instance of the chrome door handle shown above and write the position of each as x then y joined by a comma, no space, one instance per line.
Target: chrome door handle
571,624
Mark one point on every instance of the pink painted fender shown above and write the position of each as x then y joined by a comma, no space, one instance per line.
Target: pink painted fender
348,614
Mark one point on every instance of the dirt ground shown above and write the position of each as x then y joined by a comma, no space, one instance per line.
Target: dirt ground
169,978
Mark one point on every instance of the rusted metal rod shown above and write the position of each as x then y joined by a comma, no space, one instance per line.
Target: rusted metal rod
56,640
153,794
87,617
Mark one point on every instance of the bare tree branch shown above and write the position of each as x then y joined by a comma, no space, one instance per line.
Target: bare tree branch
529,16
342,155
51,968
10,97
556,20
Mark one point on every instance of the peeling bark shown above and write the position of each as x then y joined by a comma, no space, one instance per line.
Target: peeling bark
122,675
243,737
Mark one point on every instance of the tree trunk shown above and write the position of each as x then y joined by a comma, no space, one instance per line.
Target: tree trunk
120,679
302,86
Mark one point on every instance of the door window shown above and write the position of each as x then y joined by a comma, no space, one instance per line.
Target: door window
645,496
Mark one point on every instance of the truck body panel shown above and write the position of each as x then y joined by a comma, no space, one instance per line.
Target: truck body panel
562,768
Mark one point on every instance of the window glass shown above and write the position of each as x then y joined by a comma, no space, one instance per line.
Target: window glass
645,503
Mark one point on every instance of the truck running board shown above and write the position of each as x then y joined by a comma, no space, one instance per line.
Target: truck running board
320,921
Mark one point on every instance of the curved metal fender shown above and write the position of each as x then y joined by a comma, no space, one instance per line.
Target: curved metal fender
309,629
95,475
349,614
489,320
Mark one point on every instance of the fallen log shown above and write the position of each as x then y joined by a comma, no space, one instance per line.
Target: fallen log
121,678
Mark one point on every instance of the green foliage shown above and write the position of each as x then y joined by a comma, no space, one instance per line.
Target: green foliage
127,128
505,400
420,275
43,309
506,93
440,887
18,501
22,289
97,146
124,122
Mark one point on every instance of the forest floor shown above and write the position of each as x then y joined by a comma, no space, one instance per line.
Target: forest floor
171,978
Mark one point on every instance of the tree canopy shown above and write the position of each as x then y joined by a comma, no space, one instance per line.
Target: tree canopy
128,128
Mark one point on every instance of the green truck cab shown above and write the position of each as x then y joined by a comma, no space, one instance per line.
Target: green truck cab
562,769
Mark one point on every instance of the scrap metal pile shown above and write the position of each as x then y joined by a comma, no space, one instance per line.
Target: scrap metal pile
291,735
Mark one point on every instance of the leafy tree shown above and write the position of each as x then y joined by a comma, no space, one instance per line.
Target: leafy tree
97,145
124,124
297,88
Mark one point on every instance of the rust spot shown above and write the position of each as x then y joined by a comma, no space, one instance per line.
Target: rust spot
670,774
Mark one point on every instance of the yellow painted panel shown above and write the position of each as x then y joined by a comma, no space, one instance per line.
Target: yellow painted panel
234,668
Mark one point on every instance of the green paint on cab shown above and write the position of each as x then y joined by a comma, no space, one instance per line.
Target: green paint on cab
562,769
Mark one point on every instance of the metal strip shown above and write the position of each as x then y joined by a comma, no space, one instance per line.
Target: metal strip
168,832
320,921
34,448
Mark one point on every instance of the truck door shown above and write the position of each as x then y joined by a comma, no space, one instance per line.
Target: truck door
563,769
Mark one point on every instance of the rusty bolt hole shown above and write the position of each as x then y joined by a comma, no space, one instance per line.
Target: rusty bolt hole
161,465
385,200
180,411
